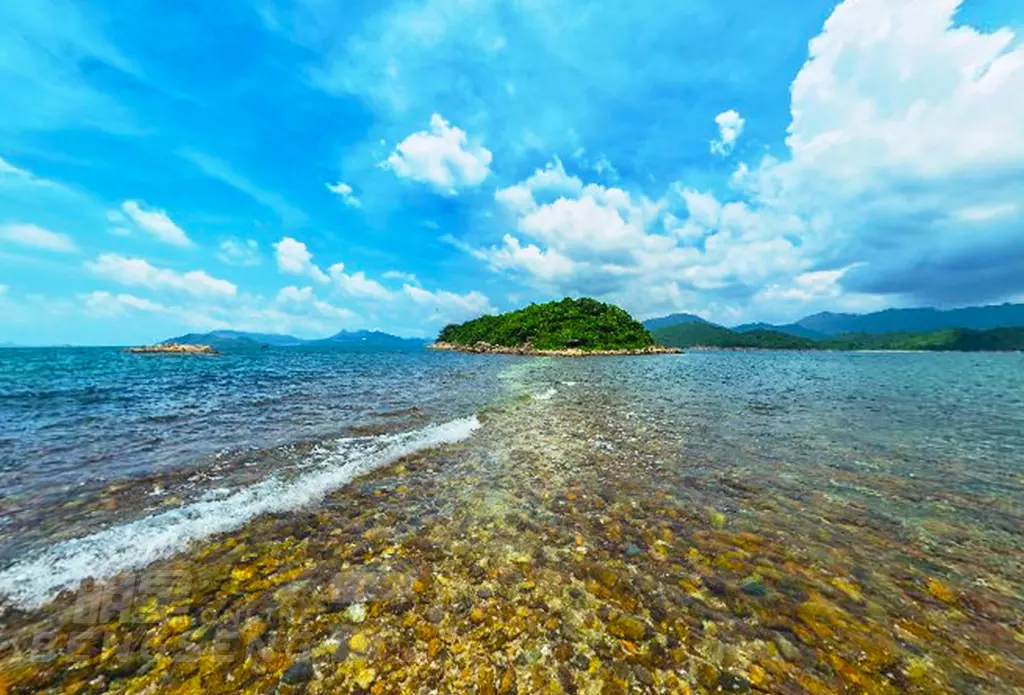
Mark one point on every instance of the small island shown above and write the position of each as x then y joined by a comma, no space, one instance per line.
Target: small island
567,328
173,349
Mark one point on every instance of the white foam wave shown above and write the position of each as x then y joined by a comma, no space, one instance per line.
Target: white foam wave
31,582
546,395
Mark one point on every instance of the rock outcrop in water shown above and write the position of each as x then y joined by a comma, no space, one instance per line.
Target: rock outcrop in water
174,349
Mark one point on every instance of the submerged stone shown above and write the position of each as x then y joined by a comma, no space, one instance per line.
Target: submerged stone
299,672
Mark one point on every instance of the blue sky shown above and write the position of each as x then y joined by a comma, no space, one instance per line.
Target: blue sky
305,166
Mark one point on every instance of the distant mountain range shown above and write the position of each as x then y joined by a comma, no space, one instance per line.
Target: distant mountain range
672,320
793,329
708,335
240,340
922,320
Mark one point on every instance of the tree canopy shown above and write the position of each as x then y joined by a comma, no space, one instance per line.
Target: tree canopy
584,323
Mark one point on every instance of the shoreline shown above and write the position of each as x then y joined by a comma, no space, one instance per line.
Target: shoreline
488,349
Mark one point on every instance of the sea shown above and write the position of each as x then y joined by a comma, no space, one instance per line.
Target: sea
796,512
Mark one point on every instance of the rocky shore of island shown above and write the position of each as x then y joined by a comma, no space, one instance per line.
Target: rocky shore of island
481,348
173,349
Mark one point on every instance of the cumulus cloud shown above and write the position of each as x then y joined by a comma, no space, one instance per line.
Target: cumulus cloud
901,183
448,307
906,154
294,258
344,191
544,185
305,298
156,223
240,252
642,253
358,285
730,127
140,273
545,265
35,237
106,304
442,157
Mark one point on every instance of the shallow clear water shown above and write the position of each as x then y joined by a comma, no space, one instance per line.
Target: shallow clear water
75,421
719,521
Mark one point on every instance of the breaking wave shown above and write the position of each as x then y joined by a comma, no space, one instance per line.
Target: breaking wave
31,582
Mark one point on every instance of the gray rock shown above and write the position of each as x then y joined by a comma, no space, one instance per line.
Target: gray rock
299,672
435,614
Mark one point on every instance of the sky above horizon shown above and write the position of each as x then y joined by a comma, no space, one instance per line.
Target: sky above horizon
308,166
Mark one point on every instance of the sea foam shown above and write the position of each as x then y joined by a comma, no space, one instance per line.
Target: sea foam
31,582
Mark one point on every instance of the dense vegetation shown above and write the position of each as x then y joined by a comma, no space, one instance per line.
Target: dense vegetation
570,323
709,335
962,339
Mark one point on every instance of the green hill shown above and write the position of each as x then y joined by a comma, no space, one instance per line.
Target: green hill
709,335
951,339
570,323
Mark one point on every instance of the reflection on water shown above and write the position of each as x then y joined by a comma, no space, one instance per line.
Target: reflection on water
713,522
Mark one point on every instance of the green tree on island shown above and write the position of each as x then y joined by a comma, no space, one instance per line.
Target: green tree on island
586,324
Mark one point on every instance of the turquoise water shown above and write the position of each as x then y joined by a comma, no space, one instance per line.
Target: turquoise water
74,422
799,522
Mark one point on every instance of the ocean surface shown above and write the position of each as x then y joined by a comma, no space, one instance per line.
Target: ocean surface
76,422
887,488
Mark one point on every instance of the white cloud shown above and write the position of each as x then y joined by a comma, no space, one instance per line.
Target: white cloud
240,252
8,169
902,183
32,236
906,132
545,265
730,127
295,259
986,213
442,157
106,304
157,223
401,275
448,307
703,208
304,297
606,242
140,273
294,309
544,185
358,285
344,191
